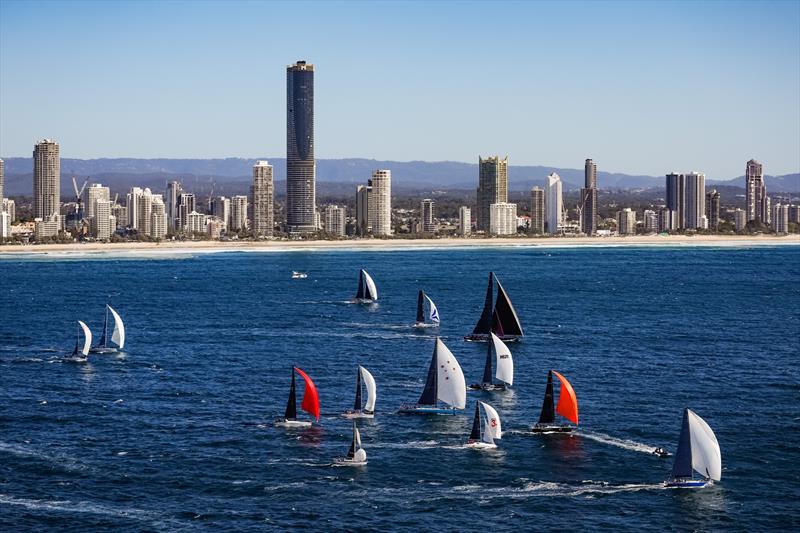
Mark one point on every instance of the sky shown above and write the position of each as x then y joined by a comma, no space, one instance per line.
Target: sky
640,87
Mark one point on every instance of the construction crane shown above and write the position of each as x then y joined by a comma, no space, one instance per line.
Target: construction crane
77,215
210,196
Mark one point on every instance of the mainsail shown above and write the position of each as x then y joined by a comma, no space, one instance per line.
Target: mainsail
372,390
357,405
420,307
104,335
484,325
475,434
682,466
291,405
505,364
504,318
445,380
428,396
548,415
487,366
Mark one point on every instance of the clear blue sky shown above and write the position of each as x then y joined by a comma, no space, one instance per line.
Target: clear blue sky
641,87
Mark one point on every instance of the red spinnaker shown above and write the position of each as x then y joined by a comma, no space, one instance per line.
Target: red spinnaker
567,401
310,397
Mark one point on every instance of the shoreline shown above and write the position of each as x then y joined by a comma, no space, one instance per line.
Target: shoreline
397,244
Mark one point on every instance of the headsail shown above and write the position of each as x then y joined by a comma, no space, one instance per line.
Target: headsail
548,415
484,324
372,390
87,338
706,456
370,292
451,385
361,454
682,466
310,403
492,429
505,320
567,401
434,313
291,405
505,364
118,336
420,305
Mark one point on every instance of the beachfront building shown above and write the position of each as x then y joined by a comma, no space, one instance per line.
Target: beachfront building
195,223
173,194
239,213
492,188
5,225
158,217
363,222
427,224
537,216
740,219
695,196
335,220
464,221
554,205
46,227
2,178
300,163
588,205
380,202
46,179
780,218
187,203
503,219
712,209
756,201
94,193
7,205
650,220
626,222
221,210
102,222
263,199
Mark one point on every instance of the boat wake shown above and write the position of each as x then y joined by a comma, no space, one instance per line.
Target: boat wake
414,444
626,444
75,507
66,463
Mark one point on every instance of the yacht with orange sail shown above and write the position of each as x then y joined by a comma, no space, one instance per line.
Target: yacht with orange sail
567,407
310,403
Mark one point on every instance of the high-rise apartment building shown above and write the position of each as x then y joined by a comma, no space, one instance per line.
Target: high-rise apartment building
363,226
5,225
221,209
650,220
626,221
92,194
740,219
100,222
158,217
380,202
426,216
187,202
676,199
174,191
589,199
554,206
9,206
335,220
755,192
464,221
46,179
780,218
263,196
238,213
503,219
2,178
695,209
195,223
537,210
712,209
492,188
300,163
144,212
132,207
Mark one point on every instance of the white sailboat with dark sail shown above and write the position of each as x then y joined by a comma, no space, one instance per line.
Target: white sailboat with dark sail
498,316
485,427
356,456
432,315
367,292
445,384
504,365
698,451
567,407
116,341
310,403
367,409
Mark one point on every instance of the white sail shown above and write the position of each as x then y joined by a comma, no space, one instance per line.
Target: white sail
706,457
119,329
492,429
434,313
360,456
451,385
505,364
372,390
87,338
371,289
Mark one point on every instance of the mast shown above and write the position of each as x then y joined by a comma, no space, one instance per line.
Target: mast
682,467
484,325
505,317
291,405
487,368
476,424
548,415
358,391
429,393
360,293
103,342
420,307
352,452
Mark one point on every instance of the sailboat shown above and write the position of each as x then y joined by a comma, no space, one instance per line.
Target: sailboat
117,335
567,407
80,352
498,317
310,403
367,292
698,451
445,384
505,367
433,313
368,409
356,456
485,428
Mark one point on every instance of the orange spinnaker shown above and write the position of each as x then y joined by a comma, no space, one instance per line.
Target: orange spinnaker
310,397
567,401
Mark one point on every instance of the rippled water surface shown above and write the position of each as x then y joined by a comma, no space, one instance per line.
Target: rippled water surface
176,434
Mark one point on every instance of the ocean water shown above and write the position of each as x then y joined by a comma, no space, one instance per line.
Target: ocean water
177,434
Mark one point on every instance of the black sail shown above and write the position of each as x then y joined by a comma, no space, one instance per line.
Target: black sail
487,368
548,415
430,391
291,405
682,467
358,391
506,320
361,285
476,424
352,452
484,325
420,307
103,338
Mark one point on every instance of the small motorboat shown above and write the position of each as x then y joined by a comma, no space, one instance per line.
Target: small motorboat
299,275
661,452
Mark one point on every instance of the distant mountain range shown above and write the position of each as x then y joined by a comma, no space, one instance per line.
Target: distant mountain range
233,175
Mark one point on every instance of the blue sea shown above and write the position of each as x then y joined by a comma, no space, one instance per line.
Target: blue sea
176,434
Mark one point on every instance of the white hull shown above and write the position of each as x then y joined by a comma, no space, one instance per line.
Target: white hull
363,301
344,461
283,423
106,350
480,445
688,483
357,414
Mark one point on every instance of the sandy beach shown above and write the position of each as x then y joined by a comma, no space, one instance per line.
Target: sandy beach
137,248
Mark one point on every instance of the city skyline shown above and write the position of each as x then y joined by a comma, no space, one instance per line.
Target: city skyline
354,97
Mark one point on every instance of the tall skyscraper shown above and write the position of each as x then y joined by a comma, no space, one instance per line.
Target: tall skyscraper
426,216
186,204
492,188
238,213
300,164
676,199
589,199
503,219
174,191
92,194
2,178
537,210
464,220
46,179
263,194
695,210
554,205
380,202
363,193
712,209
755,192
144,212
335,220
158,217
132,207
